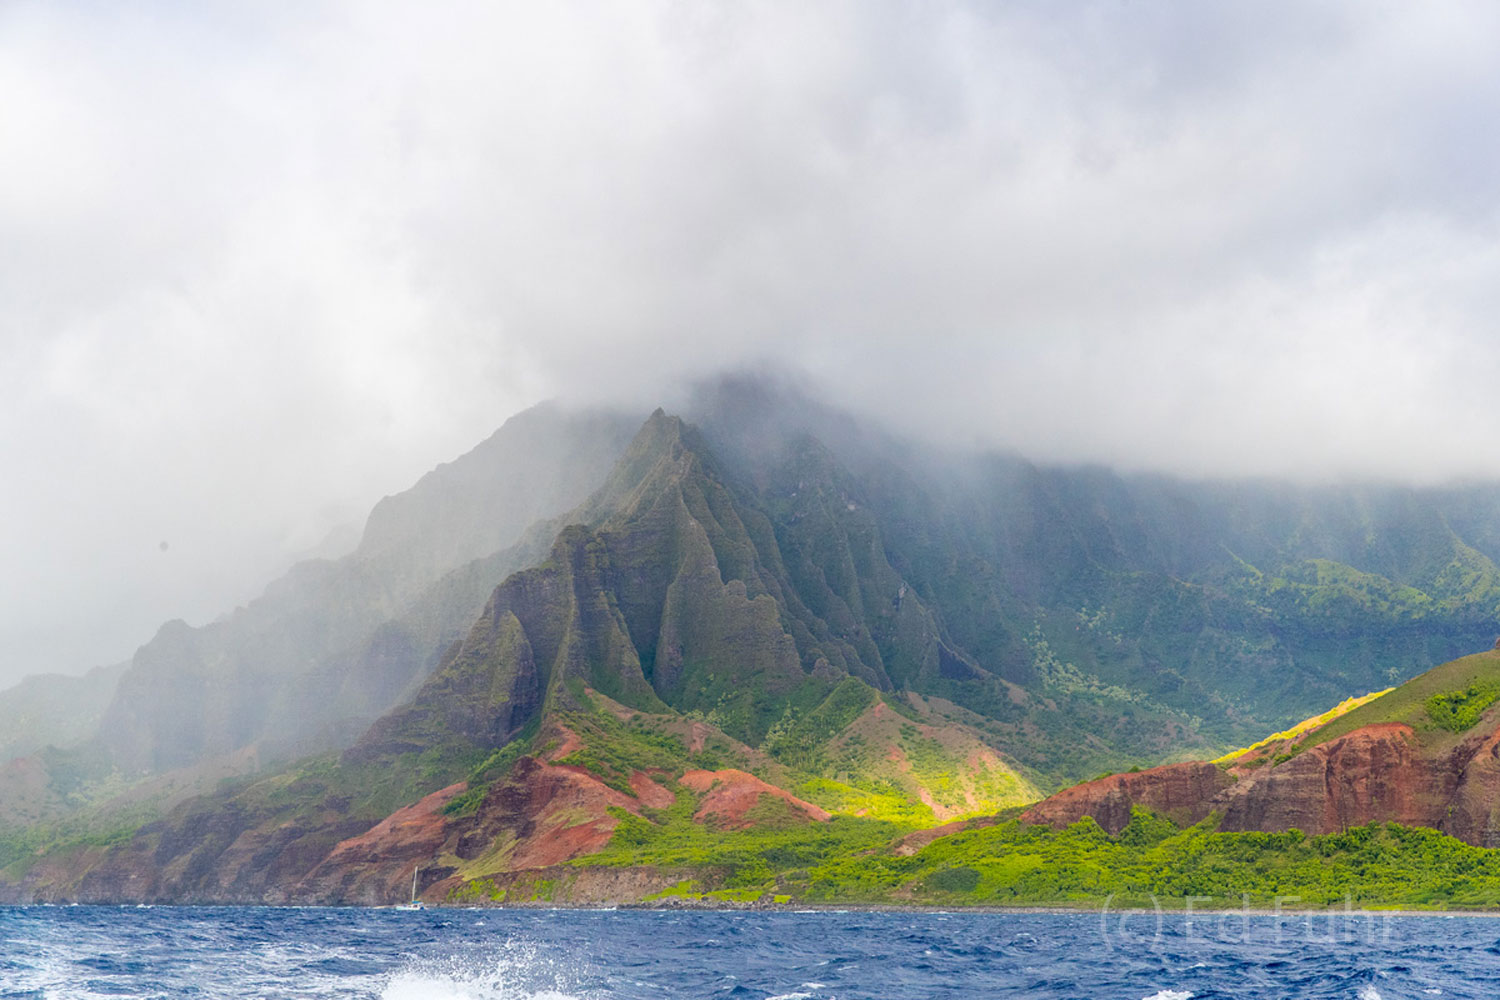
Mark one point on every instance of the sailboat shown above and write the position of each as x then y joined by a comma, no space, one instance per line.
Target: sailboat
415,904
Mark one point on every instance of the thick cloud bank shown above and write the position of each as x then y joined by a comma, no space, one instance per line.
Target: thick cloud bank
261,263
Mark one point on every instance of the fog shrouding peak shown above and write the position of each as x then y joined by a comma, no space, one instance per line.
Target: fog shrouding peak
262,264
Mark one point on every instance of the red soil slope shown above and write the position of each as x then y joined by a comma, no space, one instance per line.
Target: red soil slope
728,795
1376,774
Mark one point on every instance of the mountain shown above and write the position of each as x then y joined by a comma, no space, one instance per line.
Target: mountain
334,643
54,710
624,656
636,668
1096,619
1425,754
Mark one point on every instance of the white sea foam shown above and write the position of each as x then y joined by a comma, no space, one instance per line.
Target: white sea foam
520,972
417,986
1170,995
1369,992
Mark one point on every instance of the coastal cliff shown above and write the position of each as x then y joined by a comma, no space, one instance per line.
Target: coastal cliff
1387,761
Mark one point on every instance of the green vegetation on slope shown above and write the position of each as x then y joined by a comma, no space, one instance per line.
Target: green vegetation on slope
1306,725
1014,863
1410,703
316,802
22,847
774,854
901,756
1009,864
866,798
614,748
1457,711
800,741
1332,591
1019,864
492,769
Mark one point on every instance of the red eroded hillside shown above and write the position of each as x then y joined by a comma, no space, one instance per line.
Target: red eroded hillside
1425,754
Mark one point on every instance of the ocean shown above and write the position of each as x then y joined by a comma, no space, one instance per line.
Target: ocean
72,953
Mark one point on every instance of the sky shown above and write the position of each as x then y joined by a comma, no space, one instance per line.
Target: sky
262,263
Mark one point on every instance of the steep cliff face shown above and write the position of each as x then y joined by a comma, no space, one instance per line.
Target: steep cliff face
675,589
1142,617
1185,793
334,644
1093,619
860,628
1400,766
485,690
1375,774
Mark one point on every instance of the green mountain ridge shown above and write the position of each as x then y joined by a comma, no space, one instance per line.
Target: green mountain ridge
769,613
326,649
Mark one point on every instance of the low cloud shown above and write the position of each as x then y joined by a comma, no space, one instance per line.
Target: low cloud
260,264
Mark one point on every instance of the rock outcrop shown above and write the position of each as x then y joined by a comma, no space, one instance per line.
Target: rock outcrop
1374,774
1183,792
1380,773
851,613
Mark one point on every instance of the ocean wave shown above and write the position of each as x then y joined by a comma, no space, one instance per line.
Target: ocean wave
268,954
417,986
522,971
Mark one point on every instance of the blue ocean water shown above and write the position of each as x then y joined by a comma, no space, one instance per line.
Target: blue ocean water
87,952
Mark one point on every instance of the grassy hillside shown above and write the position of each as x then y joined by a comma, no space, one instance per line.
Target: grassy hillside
1412,702
899,639
1305,726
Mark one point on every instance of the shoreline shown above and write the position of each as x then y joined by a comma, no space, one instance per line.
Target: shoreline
1104,909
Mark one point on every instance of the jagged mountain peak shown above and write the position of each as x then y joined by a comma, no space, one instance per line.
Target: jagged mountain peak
678,586
821,595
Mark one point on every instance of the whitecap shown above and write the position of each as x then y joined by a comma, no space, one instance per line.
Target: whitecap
416,986
1368,992
521,971
1169,995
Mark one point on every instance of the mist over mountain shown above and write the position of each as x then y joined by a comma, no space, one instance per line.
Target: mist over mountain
741,455
265,265
849,616
1208,608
